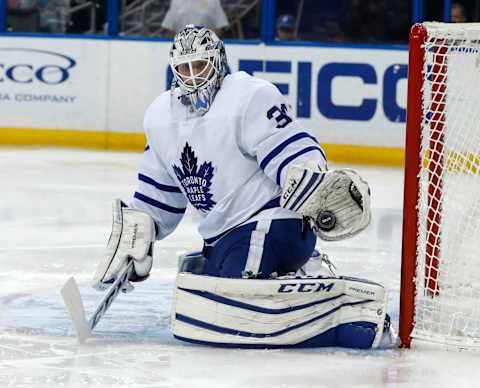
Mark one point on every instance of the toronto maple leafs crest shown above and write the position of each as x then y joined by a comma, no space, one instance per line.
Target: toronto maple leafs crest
195,180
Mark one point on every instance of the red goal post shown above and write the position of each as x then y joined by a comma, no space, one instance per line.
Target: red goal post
440,280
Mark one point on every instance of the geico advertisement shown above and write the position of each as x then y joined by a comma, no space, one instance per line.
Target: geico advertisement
346,96
352,96
50,83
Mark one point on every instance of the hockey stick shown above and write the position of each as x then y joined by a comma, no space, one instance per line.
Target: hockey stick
73,301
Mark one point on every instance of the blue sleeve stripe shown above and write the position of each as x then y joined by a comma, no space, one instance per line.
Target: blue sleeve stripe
159,186
315,182
292,157
305,198
157,204
278,149
286,205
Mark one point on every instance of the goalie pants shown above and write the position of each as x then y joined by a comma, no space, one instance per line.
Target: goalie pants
261,248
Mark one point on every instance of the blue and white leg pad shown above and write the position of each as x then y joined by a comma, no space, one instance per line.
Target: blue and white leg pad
282,312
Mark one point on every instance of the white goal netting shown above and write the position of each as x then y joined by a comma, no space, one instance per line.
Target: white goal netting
447,302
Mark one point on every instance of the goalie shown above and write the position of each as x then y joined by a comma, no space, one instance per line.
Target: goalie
228,145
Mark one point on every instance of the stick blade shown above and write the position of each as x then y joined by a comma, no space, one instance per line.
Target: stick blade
73,301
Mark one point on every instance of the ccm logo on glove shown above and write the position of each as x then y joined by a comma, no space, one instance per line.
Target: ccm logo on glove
287,191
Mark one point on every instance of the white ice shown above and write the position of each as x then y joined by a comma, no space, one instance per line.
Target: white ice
54,221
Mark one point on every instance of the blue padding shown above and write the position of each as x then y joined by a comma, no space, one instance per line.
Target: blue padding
241,333
275,202
358,335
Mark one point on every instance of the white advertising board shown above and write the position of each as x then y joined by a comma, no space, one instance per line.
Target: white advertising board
53,83
138,74
344,95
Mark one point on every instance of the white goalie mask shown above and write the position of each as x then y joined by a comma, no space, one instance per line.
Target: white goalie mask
199,64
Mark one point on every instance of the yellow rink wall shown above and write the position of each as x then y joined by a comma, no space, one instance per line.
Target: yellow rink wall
121,141
114,141
92,93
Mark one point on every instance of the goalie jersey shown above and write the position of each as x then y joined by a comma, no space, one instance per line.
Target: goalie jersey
229,164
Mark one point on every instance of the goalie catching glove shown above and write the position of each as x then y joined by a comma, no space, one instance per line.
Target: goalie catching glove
132,238
336,203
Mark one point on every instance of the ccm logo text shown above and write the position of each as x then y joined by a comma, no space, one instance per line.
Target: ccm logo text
305,287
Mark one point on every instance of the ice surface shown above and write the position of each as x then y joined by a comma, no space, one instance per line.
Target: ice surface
55,219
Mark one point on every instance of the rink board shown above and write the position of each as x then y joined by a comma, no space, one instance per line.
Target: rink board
93,93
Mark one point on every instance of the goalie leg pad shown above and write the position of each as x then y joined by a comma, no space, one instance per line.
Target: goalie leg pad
284,312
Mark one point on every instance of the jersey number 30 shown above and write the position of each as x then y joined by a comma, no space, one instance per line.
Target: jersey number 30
280,115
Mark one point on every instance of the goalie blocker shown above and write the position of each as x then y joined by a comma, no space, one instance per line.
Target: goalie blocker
278,313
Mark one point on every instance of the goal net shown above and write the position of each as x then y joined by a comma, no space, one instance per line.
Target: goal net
440,293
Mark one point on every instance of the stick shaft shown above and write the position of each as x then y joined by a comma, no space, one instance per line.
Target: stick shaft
73,301
110,295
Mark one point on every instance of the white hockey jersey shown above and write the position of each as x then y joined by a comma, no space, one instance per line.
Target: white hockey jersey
228,163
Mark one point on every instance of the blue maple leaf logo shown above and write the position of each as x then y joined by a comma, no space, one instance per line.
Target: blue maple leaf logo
195,180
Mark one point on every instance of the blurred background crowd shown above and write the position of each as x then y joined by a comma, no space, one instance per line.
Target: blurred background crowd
358,21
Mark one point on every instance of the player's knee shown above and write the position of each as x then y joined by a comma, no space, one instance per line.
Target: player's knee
287,246
292,246
233,266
